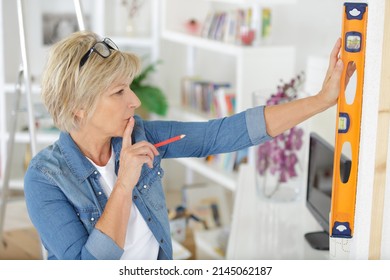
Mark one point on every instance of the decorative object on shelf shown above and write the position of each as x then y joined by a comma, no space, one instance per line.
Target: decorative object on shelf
279,161
247,35
133,8
56,26
192,26
152,98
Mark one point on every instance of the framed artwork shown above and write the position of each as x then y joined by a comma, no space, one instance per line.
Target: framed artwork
57,26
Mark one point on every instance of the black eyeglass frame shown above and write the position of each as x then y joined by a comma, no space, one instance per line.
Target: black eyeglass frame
106,42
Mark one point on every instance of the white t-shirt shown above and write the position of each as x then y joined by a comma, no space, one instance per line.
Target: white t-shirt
140,243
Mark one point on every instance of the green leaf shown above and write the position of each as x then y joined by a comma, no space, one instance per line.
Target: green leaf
152,98
145,72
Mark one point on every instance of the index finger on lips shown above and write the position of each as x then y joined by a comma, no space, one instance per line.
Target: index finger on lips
127,133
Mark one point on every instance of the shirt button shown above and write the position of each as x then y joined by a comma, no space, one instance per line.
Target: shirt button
149,219
159,173
145,186
92,219
162,240
100,193
95,172
135,197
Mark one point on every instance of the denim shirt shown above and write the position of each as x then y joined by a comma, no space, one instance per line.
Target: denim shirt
65,199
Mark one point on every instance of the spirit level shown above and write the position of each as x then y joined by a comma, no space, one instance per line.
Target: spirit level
348,123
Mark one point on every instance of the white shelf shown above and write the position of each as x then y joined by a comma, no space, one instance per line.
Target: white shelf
217,46
199,42
226,179
178,113
253,2
142,42
11,88
42,137
16,183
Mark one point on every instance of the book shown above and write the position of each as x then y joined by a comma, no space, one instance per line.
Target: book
226,26
210,98
206,25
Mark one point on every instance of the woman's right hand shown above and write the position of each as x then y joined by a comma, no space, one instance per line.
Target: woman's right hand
331,86
133,157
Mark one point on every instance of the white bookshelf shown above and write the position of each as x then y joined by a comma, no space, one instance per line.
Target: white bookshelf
256,68
259,67
226,179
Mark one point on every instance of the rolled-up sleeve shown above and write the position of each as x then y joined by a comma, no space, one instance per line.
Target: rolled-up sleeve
110,250
255,123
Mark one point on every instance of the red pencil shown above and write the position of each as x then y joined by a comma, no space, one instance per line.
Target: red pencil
170,140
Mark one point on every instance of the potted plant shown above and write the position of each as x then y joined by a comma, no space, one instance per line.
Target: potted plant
152,98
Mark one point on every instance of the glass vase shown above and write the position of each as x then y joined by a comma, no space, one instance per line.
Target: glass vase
279,162
270,187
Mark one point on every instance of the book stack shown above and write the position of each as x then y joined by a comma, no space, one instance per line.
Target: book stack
208,98
226,26
228,162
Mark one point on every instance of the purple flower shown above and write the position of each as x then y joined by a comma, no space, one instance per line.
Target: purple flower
279,155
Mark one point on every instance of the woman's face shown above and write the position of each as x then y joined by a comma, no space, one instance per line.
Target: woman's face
114,109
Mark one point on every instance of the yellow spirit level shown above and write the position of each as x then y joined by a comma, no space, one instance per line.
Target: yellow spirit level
348,123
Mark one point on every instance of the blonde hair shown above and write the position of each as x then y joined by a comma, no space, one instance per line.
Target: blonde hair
67,88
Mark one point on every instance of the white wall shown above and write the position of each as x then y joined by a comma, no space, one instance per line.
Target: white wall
313,26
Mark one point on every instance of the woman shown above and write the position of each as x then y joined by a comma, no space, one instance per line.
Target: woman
96,192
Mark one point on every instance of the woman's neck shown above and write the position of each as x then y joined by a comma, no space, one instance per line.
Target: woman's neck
97,149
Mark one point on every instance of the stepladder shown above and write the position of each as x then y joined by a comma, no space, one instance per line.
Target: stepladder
23,89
